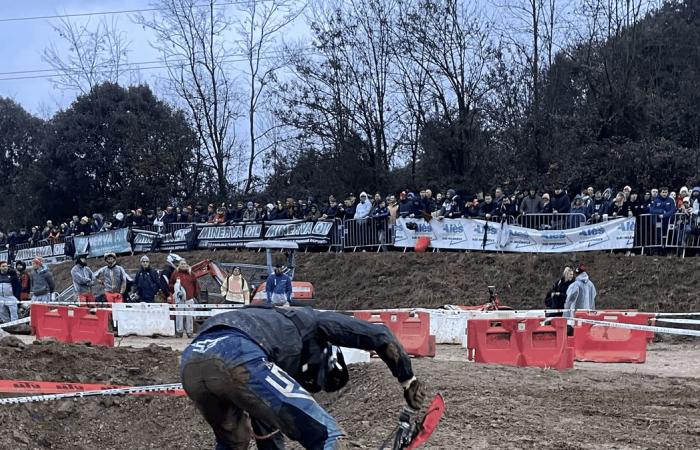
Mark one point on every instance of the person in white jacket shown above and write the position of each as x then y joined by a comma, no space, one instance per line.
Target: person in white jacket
363,208
581,294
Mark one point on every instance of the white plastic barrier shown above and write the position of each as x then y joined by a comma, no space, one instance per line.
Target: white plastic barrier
143,319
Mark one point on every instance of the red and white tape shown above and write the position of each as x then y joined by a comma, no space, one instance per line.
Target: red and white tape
171,389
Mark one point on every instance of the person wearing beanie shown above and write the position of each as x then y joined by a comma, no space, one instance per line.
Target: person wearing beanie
114,279
41,282
250,214
24,281
581,294
147,283
83,280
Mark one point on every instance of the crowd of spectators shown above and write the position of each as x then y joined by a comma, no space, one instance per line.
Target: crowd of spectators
590,205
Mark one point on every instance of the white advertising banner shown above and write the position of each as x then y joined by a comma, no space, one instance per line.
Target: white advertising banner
472,234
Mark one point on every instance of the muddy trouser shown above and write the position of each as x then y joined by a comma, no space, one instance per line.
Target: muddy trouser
232,383
188,321
8,309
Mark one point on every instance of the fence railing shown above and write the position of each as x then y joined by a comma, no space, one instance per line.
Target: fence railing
367,233
551,221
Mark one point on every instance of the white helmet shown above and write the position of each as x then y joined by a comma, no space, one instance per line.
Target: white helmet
173,259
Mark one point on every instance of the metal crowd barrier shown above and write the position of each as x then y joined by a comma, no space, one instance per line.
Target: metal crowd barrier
551,221
683,233
367,233
651,231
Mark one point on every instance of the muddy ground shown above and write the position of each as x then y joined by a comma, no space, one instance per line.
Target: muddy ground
369,280
487,406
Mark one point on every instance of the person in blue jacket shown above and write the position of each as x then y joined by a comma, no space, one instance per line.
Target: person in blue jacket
278,287
664,207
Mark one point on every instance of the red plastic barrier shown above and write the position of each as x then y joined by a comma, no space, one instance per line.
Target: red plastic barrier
520,342
114,297
92,328
599,343
71,325
492,342
52,322
411,329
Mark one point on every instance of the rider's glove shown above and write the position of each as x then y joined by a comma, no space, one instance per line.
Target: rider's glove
414,393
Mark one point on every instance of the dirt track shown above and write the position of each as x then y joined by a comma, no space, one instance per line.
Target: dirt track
487,406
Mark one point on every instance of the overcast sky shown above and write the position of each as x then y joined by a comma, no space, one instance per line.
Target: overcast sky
23,42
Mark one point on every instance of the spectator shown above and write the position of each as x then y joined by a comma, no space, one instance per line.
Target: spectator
654,194
83,280
683,193
25,282
556,297
9,292
235,288
619,207
97,222
634,206
404,205
377,199
185,290
695,200
169,217
250,214
278,287
532,204
546,204
54,235
41,282
219,217
350,206
147,282
579,213
37,236
472,208
597,208
47,229
118,221
581,294
431,203
393,208
488,209
23,237
138,219
85,228
626,191
498,198
113,278
380,214
234,215
313,214
426,203
210,211
664,207
280,212
439,203
364,208
561,204
507,208
262,212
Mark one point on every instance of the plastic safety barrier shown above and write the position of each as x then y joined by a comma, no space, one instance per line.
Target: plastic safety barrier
412,329
598,343
143,319
302,294
520,342
71,324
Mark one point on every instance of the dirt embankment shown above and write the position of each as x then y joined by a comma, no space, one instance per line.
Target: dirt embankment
369,280
486,406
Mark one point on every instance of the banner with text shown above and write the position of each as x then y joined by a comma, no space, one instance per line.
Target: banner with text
471,234
228,236
147,241
301,232
96,245
5,256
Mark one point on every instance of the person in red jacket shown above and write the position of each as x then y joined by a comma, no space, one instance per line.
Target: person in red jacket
185,290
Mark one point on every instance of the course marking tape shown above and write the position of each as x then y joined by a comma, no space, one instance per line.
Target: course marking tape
677,314
58,387
175,387
15,322
681,321
106,305
630,326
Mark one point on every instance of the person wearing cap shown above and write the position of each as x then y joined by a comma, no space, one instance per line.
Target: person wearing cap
278,287
147,282
113,278
235,288
581,294
83,280
9,293
41,281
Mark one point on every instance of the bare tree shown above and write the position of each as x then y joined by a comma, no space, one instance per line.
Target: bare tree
260,25
94,55
191,37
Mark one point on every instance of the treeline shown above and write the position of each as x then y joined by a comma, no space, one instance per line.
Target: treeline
383,95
